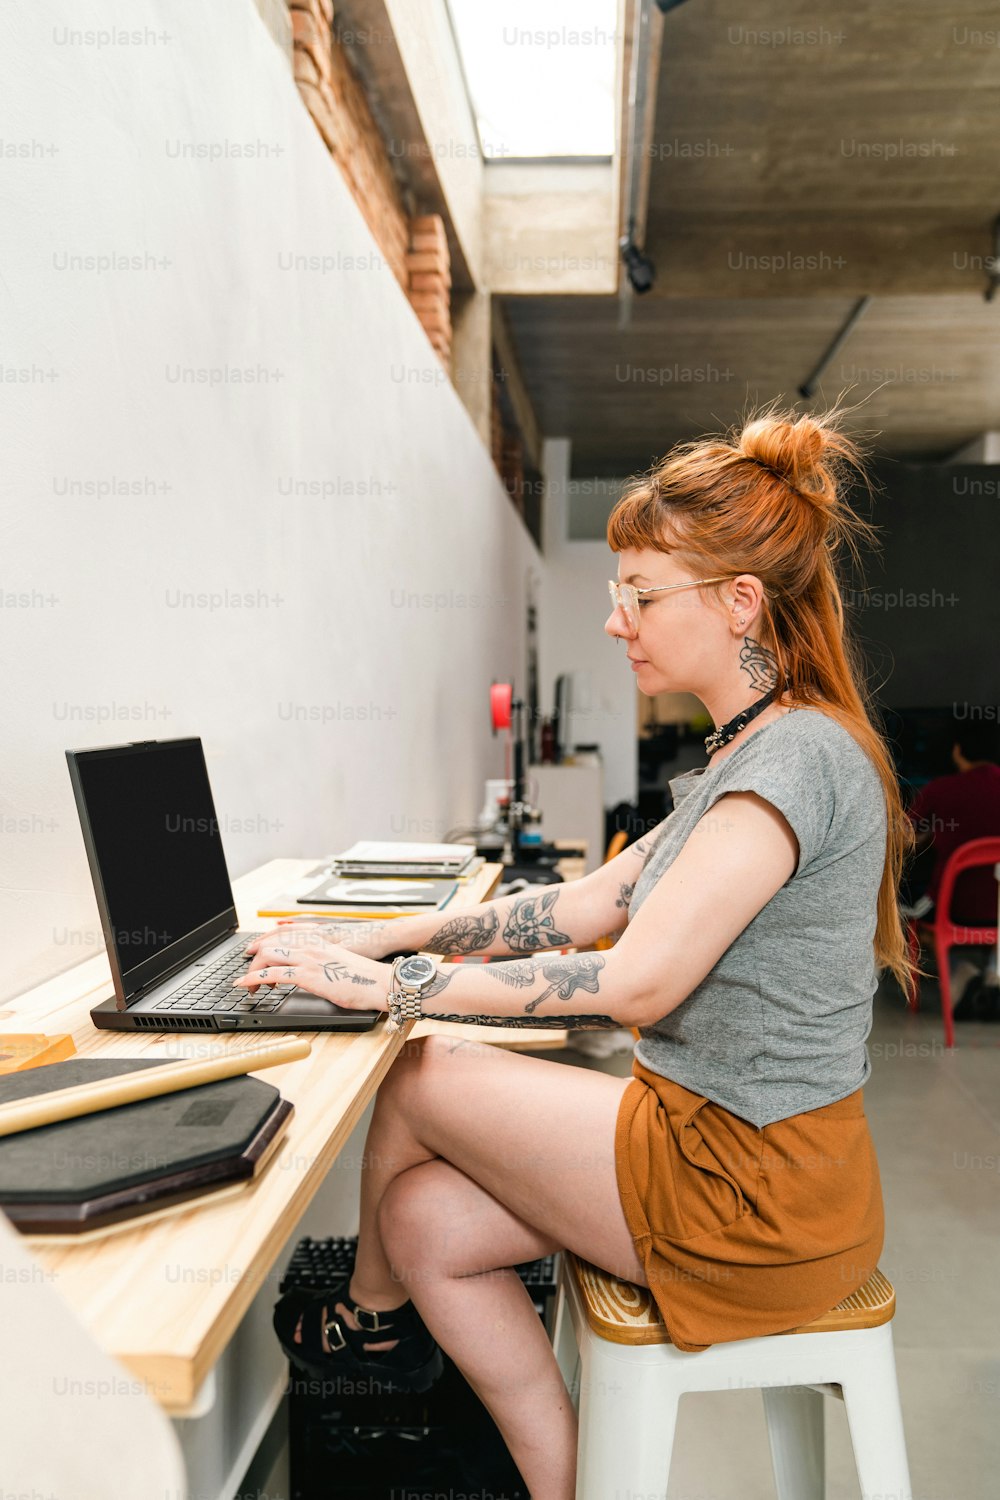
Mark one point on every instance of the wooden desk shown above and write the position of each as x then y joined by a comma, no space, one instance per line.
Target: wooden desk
166,1295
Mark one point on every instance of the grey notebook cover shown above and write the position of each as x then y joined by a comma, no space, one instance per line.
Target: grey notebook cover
131,1145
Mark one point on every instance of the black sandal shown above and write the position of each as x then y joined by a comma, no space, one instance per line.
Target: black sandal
412,1365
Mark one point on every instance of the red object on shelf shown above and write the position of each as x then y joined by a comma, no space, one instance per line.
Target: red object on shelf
948,934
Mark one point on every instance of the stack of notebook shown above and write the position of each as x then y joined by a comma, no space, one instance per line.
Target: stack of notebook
376,879
99,1169
373,857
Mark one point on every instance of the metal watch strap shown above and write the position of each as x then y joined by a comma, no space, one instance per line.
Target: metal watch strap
404,1005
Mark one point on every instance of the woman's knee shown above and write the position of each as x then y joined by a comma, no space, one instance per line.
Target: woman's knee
413,1224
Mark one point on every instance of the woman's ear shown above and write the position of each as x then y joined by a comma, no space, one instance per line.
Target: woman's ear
744,610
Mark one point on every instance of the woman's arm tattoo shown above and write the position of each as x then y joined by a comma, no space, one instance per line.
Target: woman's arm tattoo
540,1023
578,971
624,894
565,975
530,925
441,981
519,973
760,664
465,934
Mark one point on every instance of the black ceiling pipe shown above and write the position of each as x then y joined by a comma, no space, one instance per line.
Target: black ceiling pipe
808,387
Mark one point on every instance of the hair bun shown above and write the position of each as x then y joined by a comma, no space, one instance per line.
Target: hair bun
801,450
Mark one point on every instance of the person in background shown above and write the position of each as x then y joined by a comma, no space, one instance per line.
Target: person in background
948,812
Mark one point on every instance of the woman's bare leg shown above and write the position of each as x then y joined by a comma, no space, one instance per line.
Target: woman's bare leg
539,1136
442,1230
478,1159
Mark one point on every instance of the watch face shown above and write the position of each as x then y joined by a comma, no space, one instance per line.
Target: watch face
416,970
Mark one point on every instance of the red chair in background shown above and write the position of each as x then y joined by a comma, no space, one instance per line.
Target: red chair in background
947,934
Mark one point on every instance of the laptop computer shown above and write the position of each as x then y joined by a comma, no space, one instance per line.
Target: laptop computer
166,904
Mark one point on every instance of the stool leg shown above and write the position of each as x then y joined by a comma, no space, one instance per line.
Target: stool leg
795,1429
871,1395
565,1346
628,1413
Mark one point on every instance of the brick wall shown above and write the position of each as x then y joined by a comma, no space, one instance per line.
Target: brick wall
429,264
416,248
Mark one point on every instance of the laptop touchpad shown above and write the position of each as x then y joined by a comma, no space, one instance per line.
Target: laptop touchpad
304,1003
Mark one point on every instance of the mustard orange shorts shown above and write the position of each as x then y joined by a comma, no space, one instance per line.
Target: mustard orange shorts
745,1231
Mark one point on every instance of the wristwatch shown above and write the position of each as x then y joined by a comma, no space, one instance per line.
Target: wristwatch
410,978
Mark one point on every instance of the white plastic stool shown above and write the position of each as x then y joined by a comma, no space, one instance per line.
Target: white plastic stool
632,1379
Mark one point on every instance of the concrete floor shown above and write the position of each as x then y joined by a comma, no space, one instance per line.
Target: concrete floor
936,1122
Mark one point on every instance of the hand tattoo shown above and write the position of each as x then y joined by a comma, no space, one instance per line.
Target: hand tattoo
465,934
530,925
760,664
336,972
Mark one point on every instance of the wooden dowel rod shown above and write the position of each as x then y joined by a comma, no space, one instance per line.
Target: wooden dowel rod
145,1083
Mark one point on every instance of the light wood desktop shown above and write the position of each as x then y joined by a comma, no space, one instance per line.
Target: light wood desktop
165,1295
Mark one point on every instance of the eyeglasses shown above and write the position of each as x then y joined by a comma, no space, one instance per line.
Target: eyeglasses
625,596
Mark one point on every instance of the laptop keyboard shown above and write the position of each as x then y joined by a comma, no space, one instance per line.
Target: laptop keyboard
212,987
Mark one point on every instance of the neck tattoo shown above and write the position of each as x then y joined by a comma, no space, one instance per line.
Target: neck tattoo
761,667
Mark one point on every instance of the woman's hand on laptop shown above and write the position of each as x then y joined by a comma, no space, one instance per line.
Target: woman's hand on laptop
331,971
368,938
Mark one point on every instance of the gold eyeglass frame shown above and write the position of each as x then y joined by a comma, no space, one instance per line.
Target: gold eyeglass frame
625,596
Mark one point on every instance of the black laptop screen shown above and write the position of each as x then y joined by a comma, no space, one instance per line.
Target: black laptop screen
154,845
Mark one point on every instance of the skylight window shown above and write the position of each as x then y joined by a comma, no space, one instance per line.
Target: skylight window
540,74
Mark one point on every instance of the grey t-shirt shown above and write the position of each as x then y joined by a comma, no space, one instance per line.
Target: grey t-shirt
779,1024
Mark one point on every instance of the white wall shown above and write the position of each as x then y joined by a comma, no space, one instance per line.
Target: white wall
97,645
572,639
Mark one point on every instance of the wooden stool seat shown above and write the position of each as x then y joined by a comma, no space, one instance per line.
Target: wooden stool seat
624,1313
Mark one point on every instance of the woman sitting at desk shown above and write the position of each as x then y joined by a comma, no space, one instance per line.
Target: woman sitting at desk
733,1174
